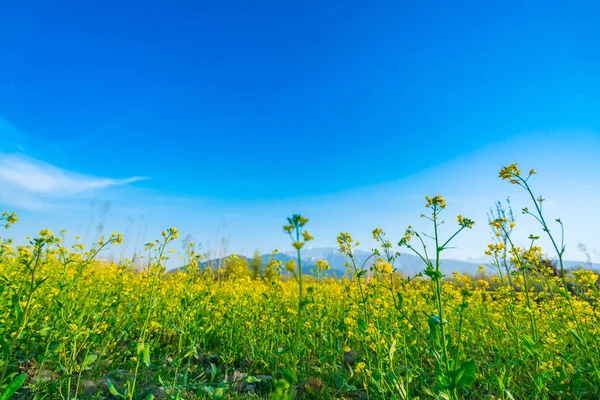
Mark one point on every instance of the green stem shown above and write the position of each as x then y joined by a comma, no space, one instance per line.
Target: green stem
438,291
300,305
522,264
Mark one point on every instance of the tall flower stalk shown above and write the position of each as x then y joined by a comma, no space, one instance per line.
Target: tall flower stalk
451,375
299,236
513,174
153,273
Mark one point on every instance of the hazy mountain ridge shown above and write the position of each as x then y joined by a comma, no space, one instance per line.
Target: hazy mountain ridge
407,263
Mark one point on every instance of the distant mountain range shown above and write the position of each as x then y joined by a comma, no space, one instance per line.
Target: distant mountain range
407,264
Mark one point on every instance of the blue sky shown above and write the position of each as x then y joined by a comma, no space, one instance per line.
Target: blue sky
223,118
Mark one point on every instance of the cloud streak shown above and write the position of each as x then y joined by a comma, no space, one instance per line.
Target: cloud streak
29,183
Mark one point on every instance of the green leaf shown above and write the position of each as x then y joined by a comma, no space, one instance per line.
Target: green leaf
139,349
530,345
433,274
464,375
190,352
17,306
146,354
113,390
162,383
576,336
468,370
13,386
5,348
289,376
89,360
251,379
392,350
362,325
339,381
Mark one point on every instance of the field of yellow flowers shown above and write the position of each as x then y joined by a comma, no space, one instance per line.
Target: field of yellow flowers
75,326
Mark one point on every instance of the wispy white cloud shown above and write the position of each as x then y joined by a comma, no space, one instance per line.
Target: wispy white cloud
30,183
